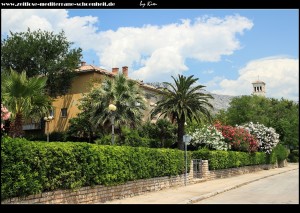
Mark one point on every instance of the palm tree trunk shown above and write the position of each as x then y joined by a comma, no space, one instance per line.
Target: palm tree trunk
180,133
16,127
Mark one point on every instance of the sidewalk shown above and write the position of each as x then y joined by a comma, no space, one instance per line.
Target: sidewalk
199,191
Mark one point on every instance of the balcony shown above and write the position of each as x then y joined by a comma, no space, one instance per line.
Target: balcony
32,126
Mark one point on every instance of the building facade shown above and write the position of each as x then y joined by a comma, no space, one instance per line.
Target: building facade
66,107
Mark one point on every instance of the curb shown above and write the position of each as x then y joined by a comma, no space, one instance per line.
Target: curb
211,194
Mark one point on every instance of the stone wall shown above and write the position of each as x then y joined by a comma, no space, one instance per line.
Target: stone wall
101,194
224,173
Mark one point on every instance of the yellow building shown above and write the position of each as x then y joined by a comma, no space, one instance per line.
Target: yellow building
66,107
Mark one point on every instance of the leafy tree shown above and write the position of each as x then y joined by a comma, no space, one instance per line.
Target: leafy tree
81,129
25,97
162,133
282,115
125,95
42,53
182,102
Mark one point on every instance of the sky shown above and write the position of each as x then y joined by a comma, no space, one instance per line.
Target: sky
226,49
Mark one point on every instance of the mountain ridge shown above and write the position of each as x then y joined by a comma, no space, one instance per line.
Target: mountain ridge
219,102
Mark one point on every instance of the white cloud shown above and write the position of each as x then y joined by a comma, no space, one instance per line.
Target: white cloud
153,53
281,75
18,20
80,30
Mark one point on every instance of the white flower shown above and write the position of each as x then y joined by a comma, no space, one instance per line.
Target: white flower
267,136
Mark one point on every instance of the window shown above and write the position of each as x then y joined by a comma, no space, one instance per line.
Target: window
63,112
52,112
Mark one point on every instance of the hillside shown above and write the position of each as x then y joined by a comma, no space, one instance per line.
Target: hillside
219,102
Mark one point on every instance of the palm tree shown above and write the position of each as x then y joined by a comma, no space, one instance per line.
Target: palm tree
183,101
125,95
24,97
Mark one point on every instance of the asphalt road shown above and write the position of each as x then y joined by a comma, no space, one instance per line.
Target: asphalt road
278,189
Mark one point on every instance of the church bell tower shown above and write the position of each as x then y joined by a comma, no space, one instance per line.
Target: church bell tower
259,88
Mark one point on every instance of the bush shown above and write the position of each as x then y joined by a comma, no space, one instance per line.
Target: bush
294,156
35,136
58,136
238,138
209,137
280,152
106,140
33,167
161,134
229,159
128,137
266,136
53,136
131,137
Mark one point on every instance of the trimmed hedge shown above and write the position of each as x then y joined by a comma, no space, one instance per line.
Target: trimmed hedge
229,159
33,167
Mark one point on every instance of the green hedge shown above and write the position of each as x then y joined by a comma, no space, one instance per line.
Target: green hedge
232,159
32,167
229,159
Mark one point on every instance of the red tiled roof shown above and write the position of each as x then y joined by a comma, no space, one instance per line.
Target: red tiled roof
88,68
92,68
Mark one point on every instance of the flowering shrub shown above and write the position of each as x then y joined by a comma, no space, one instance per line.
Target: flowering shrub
266,136
238,138
209,137
5,115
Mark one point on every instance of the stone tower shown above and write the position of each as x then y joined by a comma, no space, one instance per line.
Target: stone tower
259,88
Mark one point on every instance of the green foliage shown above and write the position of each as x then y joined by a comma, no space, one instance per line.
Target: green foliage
183,101
280,152
35,137
80,129
42,53
25,98
161,134
229,159
106,140
127,137
282,115
131,137
58,136
124,94
34,167
294,156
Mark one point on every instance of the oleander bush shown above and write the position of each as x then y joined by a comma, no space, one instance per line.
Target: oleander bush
29,167
208,137
266,136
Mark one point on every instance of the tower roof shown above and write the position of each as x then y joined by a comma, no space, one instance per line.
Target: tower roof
258,82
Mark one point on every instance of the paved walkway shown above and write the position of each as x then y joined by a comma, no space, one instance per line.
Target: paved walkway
199,191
